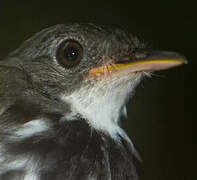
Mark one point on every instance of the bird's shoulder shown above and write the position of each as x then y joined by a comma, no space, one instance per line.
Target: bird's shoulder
12,79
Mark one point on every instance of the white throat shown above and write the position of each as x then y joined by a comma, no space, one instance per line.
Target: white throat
102,104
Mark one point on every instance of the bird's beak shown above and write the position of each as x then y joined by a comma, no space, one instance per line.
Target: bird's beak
146,61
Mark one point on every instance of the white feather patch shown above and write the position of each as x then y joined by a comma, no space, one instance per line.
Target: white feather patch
2,158
30,166
2,110
32,170
15,164
32,128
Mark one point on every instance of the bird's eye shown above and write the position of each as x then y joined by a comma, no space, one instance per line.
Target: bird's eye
69,53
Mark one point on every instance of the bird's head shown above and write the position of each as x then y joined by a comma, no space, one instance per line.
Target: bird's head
92,68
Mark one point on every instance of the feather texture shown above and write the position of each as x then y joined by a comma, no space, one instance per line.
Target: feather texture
66,150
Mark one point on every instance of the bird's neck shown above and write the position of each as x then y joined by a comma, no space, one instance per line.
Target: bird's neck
101,110
103,105
102,113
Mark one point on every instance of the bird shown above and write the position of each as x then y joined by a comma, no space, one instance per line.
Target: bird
62,95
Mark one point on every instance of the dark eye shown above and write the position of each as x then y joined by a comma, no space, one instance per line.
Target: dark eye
70,53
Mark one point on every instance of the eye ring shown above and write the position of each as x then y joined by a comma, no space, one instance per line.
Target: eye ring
69,53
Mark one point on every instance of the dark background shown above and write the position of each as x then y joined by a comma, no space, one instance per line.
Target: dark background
156,123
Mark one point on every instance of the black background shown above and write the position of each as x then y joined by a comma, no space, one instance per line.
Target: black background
156,113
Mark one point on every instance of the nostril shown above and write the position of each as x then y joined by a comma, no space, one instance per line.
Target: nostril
124,60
